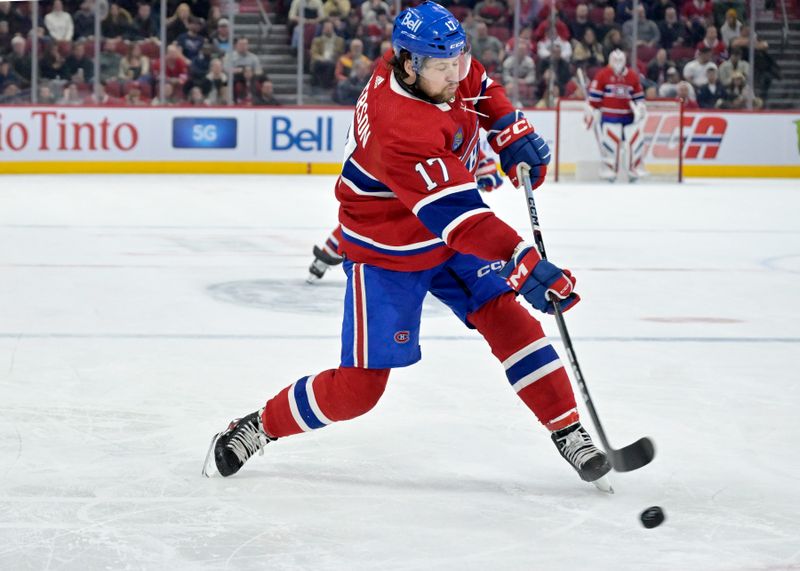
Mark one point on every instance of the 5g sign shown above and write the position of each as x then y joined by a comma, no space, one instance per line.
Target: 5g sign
203,133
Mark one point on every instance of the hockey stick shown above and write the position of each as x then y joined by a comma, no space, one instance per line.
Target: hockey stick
627,458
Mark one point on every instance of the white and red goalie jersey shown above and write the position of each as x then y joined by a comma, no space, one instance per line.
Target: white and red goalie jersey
407,192
616,95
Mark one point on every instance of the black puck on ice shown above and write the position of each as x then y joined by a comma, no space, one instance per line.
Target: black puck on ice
652,517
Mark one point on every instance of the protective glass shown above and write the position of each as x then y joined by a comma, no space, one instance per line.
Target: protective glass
451,69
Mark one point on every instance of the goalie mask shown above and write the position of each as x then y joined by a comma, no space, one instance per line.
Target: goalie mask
617,61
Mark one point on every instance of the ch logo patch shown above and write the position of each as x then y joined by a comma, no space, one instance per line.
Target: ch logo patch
402,337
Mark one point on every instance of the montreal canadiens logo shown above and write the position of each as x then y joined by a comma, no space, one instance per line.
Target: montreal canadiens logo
402,337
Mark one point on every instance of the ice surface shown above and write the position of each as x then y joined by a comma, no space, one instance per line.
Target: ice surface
138,315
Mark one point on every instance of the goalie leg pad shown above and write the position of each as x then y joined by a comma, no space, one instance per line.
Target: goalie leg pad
316,401
634,149
531,363
610,141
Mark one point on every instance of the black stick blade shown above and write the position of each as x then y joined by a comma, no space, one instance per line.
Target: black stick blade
633,456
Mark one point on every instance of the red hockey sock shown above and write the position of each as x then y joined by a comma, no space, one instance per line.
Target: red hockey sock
532,365
316,401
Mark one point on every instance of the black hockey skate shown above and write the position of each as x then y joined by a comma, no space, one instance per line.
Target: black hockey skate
322,261
576,447
232,447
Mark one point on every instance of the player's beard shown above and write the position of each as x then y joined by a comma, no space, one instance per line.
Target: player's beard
446,95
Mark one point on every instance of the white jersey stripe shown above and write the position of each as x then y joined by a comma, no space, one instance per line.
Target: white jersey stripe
406,247
365,332
312,401
524,352
298,418
355,316
441,194
531,378
459,219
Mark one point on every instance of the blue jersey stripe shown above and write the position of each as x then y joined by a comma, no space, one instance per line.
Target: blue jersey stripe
301,398
352,173
531,363
439,213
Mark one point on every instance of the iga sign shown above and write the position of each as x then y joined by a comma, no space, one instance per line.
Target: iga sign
61,130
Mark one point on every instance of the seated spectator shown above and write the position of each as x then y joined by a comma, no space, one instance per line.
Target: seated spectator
528,10
373,34
334,6
71,96
658,11
245,87
52,65
134,97
731,28
558,66
697,11
109,61
371,9
734,63
345,62
199,66
265,97
647,30
483,41
695,72
525,68
178,23
59,23
100,96
212,22
215,83
669,89
78,67
673,32
609,23
196,98
543,30
718,49
20,60
312,14
7,75
83,22
242,57
45,95
525,35
350,26
191,42
170,96
587,52
176,67
658,66
491,12
491,63
712,94
12,94
546,46
686,95
743,40
550,96
325,51
17,23
578,26
134,66
5,38
145,25
738,92
614,41
221,38
347,91
118,25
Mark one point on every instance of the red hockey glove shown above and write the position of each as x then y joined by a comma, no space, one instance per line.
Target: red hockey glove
513,138
534,278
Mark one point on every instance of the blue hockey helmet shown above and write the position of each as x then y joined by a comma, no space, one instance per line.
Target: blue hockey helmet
428,31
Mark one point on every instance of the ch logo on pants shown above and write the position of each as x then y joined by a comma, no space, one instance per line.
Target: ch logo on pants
402,337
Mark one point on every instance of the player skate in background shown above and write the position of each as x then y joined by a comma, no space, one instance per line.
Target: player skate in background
487,177
413,223
616,100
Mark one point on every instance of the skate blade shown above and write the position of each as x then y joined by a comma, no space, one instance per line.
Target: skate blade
604,485
210,463
312,279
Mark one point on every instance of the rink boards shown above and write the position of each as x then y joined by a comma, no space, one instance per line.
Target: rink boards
311,140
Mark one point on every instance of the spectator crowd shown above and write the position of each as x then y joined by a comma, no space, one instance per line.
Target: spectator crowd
696,50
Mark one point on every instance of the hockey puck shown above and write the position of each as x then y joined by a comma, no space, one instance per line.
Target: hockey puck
652,517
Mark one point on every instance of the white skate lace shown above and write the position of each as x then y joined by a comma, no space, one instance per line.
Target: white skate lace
578,448
247,441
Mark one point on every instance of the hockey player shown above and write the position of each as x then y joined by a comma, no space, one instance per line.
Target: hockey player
487,178
616,100
413,223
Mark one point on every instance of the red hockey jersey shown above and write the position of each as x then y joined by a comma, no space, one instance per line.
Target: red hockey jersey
613,94
407,191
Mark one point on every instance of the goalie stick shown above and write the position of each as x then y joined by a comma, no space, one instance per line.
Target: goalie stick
625,459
